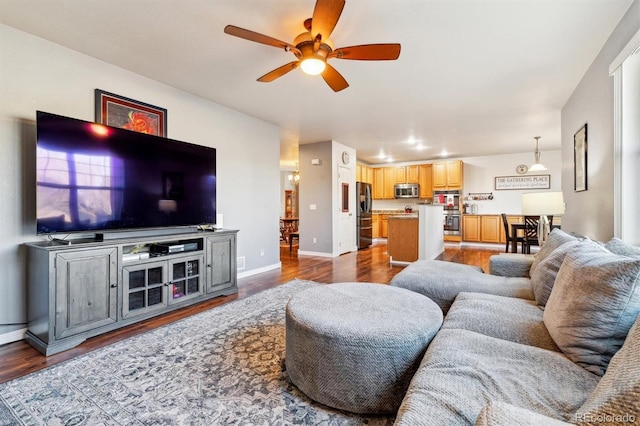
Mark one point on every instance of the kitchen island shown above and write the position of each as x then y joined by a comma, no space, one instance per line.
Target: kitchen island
416,236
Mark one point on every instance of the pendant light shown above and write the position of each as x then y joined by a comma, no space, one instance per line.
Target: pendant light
537,166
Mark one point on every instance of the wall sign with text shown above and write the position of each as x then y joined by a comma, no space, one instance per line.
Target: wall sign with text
523,182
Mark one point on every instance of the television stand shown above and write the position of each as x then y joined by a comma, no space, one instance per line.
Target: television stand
92,287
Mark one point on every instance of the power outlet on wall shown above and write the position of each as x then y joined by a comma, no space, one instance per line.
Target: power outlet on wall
315,240
261,252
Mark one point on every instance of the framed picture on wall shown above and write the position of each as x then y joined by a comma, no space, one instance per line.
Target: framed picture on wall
580,159
118,111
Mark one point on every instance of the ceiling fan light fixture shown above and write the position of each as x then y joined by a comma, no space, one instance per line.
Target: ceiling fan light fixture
312,66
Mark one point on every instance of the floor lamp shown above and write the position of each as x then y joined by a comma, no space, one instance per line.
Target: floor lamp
542,204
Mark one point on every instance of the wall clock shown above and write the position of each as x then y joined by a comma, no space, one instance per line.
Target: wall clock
522,169
345,157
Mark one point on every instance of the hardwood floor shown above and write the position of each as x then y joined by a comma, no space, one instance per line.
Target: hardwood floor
19,358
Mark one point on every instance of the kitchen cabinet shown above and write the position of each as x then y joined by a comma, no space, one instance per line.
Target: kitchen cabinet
402,242
385,179
378,183
375,225
413,174
485,228
447,174
390,181
490,228
471,228
384,226
425,180
364,173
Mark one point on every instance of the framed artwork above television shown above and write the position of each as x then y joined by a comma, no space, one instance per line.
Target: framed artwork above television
118,111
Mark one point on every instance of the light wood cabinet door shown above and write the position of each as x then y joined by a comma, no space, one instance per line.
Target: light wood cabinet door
378,183
384,226
389,183
375,225
454,174
402,244
471,228
359,172
425,181
413,174
490,229
400,174
439,175
367,174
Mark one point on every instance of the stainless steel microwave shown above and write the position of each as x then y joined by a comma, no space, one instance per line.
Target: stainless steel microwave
407,190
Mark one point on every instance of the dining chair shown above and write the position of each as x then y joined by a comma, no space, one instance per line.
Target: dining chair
531,231
507,233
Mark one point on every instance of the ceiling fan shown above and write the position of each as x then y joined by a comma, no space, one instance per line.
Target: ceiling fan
313,48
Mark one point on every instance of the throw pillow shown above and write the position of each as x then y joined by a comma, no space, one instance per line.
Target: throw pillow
594,302
556,238
545,273
617,246
616,398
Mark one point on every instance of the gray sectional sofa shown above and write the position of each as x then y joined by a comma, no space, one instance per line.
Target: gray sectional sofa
557,344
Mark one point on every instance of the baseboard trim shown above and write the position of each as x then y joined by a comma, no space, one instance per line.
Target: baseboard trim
12,336
260,270
316,253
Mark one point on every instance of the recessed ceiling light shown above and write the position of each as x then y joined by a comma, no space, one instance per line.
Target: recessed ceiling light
420,147
444,153
389,159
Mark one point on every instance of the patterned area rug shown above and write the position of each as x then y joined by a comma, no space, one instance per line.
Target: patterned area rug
223,366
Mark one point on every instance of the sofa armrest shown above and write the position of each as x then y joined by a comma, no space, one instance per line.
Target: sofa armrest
503,414
510,265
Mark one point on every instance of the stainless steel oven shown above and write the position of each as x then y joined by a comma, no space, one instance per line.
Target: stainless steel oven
450,202
452,223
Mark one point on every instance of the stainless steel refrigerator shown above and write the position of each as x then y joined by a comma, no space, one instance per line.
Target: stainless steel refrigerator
363,218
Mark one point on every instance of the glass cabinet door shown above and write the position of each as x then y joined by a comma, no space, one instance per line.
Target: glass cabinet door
185,278
144,288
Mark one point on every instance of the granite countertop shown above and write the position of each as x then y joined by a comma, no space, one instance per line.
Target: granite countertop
404,216
396,212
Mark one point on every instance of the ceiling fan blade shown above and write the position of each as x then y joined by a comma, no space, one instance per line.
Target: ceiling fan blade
279,72
368,52
257,37
325,17
334,79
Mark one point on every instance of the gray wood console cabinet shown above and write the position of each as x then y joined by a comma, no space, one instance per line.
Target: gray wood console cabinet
87,288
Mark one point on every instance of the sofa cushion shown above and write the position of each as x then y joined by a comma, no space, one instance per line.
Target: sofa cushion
617,395
511,264
555,239
442,281
508,318
544,275
594,302
502,414
462,371
617,246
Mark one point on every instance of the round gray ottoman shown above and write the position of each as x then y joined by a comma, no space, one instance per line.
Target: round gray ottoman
356,346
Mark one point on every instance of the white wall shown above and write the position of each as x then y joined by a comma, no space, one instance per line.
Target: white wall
38,75
591,212
319,188
480,174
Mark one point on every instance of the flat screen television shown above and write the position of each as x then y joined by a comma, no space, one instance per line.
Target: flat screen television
92,177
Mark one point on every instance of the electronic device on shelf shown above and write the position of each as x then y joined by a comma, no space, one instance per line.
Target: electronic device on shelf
92,177
161,249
